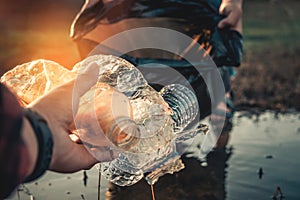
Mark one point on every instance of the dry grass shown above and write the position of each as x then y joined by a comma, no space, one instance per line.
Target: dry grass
269,77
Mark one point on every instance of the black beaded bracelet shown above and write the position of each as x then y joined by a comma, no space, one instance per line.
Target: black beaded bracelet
45,143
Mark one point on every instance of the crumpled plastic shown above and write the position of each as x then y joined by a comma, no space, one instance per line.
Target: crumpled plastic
31,80
153,151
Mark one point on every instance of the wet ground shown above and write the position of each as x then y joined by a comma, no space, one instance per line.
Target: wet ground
261,161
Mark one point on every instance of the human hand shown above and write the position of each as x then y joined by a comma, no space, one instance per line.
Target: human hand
57,107
232,9
102,111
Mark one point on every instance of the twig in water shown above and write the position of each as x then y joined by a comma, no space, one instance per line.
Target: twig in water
18,194
23,188
99,181
278,191
152,192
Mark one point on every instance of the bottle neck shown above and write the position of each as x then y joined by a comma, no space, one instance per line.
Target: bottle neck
124,133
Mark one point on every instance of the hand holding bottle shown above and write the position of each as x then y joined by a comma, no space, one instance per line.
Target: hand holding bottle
103,109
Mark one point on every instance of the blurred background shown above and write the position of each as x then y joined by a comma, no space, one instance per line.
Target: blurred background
268,77
32,29
260,160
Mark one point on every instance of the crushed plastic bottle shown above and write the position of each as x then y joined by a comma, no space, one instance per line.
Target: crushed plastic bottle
31,80
160,118
144,125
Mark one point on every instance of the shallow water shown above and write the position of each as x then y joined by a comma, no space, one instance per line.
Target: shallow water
269,141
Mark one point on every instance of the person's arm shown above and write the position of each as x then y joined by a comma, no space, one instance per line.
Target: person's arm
23,150
233,10
18,144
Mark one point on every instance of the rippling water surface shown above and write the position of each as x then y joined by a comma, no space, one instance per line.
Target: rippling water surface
269,143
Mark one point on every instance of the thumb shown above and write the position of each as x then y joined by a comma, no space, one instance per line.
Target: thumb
223,23
104,154
86,78
227,22
80,159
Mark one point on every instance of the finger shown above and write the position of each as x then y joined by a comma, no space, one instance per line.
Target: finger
85,160
77,158
75,138
104,155
86,78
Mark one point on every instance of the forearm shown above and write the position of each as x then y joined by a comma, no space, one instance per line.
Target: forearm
17,144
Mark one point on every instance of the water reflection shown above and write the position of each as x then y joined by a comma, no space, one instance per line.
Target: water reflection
196,181
260,173
85,178
278,195
271,144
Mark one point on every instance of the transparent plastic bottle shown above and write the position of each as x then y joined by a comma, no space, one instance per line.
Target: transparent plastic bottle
145,128
130,167
142,124
183,102
105,110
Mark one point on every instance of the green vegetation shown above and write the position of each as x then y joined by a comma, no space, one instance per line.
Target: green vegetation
269,25
269,77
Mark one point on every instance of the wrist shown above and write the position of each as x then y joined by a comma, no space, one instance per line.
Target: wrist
237,3
31,144
44,145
